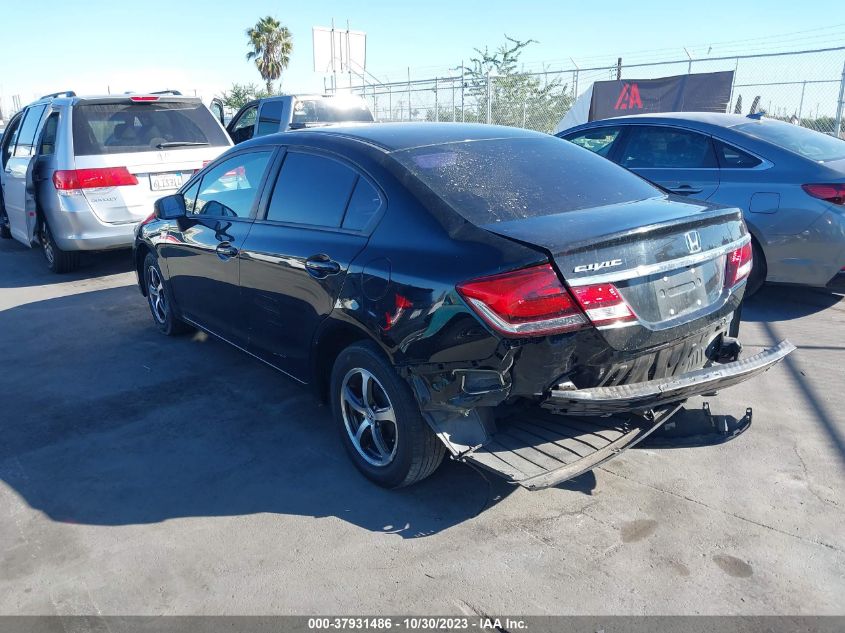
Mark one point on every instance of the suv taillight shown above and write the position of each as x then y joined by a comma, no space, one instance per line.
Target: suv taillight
72,179
834,193
526,302
738,265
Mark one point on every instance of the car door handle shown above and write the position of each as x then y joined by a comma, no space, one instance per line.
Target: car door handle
225,251
321,266
685,189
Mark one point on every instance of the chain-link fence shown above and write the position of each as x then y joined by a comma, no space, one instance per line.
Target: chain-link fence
804,87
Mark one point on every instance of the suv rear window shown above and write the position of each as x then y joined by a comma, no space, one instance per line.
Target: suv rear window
327,111
116,128
498,180
794,138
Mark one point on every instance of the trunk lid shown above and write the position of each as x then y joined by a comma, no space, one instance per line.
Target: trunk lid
666,257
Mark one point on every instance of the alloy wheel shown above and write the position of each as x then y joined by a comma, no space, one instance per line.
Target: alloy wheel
47,245
155,294
369,417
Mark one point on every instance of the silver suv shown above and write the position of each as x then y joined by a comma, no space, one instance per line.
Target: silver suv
79,173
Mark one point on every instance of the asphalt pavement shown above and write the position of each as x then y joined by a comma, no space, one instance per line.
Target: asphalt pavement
146,475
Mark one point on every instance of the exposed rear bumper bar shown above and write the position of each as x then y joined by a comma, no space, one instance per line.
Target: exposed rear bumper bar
655,393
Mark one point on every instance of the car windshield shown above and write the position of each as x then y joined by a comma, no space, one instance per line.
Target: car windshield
807,143
497,180
307,111
115,128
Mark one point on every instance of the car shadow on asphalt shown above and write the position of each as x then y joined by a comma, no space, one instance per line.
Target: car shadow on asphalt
30,268
785,303
111,423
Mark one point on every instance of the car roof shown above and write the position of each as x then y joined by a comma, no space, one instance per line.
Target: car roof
113,98
719,119
394,137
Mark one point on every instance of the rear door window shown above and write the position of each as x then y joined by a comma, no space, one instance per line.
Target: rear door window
311,189
732,158
270,117
659,147
116,128
47,146
600,140
363,206
232,188
26,135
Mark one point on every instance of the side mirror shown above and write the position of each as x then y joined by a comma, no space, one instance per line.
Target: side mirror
170,207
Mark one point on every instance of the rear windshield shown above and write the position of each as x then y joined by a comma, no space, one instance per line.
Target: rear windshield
327,111
116,128
498,180
808,143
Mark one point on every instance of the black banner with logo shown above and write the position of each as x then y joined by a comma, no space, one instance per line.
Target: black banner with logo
700,92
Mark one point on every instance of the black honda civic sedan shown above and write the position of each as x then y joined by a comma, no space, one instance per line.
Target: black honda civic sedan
492,293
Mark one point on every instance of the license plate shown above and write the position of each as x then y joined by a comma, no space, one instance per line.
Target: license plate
684,291
162,182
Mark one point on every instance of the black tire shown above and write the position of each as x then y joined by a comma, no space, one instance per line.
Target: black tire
160,300
58,261
758,270
417,452
5,228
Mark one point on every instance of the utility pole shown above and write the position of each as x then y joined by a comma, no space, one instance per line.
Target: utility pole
618,68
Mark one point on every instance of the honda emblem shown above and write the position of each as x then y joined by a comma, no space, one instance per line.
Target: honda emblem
693,241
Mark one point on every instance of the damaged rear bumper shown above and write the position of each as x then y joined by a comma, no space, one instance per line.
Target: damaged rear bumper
538,449
656,393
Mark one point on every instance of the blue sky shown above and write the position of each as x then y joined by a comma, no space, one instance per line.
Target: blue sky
96,45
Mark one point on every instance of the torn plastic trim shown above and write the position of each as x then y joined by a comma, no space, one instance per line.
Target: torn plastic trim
655,393
457,387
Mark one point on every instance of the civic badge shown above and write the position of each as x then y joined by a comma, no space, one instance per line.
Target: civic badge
693,241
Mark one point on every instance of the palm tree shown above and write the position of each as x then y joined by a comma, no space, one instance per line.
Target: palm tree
272,45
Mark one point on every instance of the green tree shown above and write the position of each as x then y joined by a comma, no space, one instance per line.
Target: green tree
516,98
238,95
272,45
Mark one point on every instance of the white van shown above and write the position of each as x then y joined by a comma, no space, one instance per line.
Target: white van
79,173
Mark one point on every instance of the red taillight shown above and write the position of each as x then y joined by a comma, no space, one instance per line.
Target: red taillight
527,302
204,163
603,304
70,179
144,98
738,266
834,193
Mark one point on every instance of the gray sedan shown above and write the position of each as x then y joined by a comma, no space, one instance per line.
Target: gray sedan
788,180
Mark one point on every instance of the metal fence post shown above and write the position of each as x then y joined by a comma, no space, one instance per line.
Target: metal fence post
490,98
801,103
463,83
839,103
733,83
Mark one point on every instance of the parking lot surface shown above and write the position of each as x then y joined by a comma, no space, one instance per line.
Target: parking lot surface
147,475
